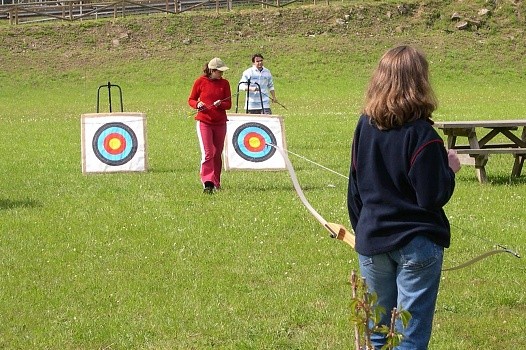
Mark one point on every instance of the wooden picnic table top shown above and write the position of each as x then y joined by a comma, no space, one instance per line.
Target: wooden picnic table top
480,123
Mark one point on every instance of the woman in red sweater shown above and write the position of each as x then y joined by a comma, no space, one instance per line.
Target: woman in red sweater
210,95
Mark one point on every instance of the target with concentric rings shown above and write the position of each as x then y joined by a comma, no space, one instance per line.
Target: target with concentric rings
251,140
114,144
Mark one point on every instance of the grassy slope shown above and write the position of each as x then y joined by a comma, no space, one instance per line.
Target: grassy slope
306,38
144,278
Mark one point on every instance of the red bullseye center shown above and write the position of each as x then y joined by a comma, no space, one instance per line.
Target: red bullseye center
254,142
114,143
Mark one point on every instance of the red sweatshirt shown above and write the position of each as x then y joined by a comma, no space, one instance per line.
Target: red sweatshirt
208,91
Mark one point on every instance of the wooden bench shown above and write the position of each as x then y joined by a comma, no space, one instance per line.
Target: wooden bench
496,150
479,158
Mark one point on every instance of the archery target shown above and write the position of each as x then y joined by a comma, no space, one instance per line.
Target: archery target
251,140
247,142
113,142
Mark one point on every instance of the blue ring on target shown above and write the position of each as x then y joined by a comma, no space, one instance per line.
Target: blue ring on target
126,139
251,141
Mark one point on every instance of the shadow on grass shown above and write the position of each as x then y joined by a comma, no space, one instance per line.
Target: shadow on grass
498,180
276,187
25,203
507,180
173,169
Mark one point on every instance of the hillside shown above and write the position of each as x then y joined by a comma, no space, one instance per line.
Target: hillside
63,45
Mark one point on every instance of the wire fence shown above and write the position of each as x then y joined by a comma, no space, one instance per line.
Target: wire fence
25,11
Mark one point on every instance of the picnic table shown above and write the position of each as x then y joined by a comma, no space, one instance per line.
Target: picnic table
481,142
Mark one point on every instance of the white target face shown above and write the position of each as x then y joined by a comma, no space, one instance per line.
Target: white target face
248,140
113,142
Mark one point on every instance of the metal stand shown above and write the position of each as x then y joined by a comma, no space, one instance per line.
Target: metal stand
248,92
109,86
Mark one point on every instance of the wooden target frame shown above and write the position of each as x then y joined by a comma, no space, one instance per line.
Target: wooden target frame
246,142
113,142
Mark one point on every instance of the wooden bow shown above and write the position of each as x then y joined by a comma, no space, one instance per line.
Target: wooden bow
337,231
340,232
499,249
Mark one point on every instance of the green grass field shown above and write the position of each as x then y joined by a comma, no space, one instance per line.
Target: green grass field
146,261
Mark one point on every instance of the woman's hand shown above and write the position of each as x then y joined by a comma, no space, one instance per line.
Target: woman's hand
453,161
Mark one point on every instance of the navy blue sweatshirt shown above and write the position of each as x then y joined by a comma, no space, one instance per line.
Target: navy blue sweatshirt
399,182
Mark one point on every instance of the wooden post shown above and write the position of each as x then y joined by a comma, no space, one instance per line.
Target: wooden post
519,159
16,15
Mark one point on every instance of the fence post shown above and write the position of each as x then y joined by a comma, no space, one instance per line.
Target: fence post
16,15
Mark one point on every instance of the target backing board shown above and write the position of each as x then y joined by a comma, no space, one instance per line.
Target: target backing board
113,142
247,139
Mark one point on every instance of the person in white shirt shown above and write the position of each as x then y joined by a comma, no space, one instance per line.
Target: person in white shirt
258,81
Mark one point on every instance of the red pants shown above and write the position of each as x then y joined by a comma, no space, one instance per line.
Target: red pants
211,141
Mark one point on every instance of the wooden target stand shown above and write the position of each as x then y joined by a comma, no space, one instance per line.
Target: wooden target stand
114,141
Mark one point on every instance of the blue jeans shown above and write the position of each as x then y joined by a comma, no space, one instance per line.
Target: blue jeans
409,278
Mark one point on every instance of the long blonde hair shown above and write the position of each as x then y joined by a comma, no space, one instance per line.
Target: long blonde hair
399,90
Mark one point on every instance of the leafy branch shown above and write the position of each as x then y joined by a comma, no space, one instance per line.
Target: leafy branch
366,314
